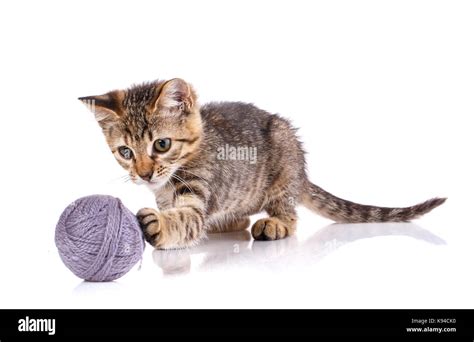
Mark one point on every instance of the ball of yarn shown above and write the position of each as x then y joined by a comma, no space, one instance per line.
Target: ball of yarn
98,238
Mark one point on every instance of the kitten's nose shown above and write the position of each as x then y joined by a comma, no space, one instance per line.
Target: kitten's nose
146,176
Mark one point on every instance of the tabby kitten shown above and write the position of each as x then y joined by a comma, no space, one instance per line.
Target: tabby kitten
211,167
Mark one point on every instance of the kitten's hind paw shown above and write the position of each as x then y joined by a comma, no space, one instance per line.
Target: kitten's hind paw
269,229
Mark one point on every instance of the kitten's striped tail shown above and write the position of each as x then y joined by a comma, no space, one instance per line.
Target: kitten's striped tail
342,211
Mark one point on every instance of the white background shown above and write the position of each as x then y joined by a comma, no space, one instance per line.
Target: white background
382,92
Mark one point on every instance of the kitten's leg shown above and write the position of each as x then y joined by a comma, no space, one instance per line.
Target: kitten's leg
230,226
180,226
280,224
172,228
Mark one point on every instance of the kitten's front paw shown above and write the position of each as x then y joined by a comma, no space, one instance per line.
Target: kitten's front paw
150,225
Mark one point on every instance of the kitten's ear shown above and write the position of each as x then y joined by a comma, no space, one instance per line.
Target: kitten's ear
176,94
106,108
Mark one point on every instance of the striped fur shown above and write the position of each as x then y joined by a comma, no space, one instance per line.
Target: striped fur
344,211
196,190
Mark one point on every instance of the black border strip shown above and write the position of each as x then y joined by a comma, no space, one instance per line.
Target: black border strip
321,323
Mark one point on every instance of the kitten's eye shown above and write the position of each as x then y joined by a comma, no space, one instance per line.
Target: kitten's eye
162,145
125,152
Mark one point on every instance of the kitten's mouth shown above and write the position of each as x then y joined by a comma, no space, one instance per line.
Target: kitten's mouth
149,179
157,182
153,181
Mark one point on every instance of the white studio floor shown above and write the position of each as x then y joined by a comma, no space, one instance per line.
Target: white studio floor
427,264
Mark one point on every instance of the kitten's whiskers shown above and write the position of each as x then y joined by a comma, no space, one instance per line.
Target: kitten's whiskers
178,178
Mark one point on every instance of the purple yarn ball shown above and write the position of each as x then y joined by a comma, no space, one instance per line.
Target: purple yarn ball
98,238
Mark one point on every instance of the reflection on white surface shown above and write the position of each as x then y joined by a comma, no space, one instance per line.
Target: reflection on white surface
87,288
238,249
390,265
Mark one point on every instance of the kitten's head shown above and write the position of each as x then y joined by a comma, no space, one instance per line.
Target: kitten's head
152,129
